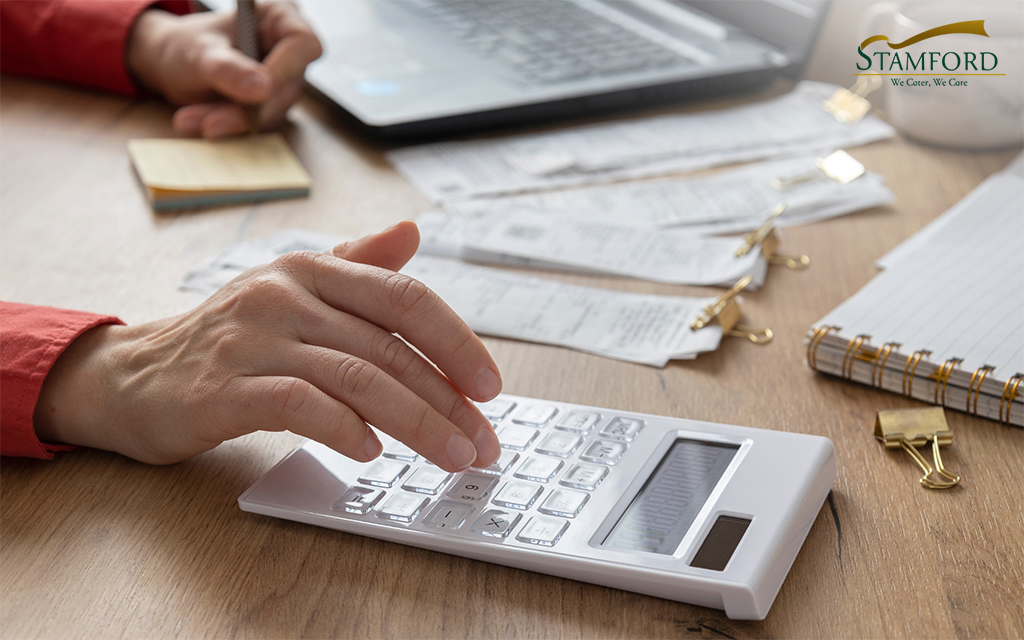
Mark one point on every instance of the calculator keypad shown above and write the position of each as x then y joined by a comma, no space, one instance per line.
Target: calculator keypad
358,500
496,523
580,422
448,515
504,463
539,469
565,503
604,451
518,495
428,480
516,437
543,530
384,473
548,468
402,507
472,487
585,476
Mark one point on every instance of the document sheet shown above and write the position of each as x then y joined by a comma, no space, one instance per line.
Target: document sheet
658,145
532,239
729,201
648,329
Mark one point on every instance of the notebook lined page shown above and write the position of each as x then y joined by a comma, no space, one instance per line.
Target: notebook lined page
961,294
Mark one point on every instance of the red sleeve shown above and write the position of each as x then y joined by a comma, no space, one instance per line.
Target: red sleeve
80,41
31,339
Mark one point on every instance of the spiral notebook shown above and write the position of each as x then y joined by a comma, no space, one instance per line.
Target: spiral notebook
944,322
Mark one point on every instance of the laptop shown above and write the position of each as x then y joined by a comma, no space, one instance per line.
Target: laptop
427,68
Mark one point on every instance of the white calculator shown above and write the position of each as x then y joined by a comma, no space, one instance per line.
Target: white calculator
703,513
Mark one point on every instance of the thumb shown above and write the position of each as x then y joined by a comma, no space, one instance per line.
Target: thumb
389,249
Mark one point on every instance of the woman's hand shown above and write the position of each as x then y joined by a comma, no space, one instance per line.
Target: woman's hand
306,343
191,61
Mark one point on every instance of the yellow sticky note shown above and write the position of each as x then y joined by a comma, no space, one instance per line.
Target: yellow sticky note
180,173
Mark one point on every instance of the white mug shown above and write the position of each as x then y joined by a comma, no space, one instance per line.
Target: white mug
979,111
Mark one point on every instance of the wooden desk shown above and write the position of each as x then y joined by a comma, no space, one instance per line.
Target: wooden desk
96,545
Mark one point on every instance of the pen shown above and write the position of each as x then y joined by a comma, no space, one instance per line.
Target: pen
248,36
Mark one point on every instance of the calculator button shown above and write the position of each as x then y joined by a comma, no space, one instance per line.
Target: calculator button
384,473
398,451
539,469
623,429
536,415
565,503
497,409
358,500
472,486
585,476
579,421
496,523
504,463
448,515
518,495
604,452
427,480
516,437
543,530
402,507
559,444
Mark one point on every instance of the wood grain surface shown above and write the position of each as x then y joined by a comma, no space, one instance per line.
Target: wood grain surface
94,545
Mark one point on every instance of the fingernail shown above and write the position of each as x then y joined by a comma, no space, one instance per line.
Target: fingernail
488,449
461,452
488,384
254,83
373,445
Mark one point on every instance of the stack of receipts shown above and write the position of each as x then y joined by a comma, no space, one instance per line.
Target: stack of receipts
532,239
729,201
792,124
642,328
647,329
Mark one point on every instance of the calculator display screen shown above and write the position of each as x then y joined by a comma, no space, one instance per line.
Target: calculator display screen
661,514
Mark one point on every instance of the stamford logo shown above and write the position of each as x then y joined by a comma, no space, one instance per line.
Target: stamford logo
959,62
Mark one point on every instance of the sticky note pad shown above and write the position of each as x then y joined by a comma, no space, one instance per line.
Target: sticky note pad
180,173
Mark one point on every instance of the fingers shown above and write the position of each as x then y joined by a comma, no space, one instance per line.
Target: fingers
400,304
230,73
288,41
344,334
383,402
275,403
390,249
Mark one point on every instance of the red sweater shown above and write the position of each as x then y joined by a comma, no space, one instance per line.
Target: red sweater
80,41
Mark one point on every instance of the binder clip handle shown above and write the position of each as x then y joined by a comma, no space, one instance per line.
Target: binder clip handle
726,310
951,479
911,428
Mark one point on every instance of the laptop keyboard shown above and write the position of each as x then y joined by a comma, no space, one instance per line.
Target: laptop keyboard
548,40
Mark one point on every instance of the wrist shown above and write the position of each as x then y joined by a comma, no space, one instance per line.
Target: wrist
144,50
73,405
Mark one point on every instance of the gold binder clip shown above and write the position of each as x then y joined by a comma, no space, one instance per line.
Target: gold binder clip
815,340
727,311
1009,395
912,428
765,237
941,377
979,374
881,357
838,165
849,105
